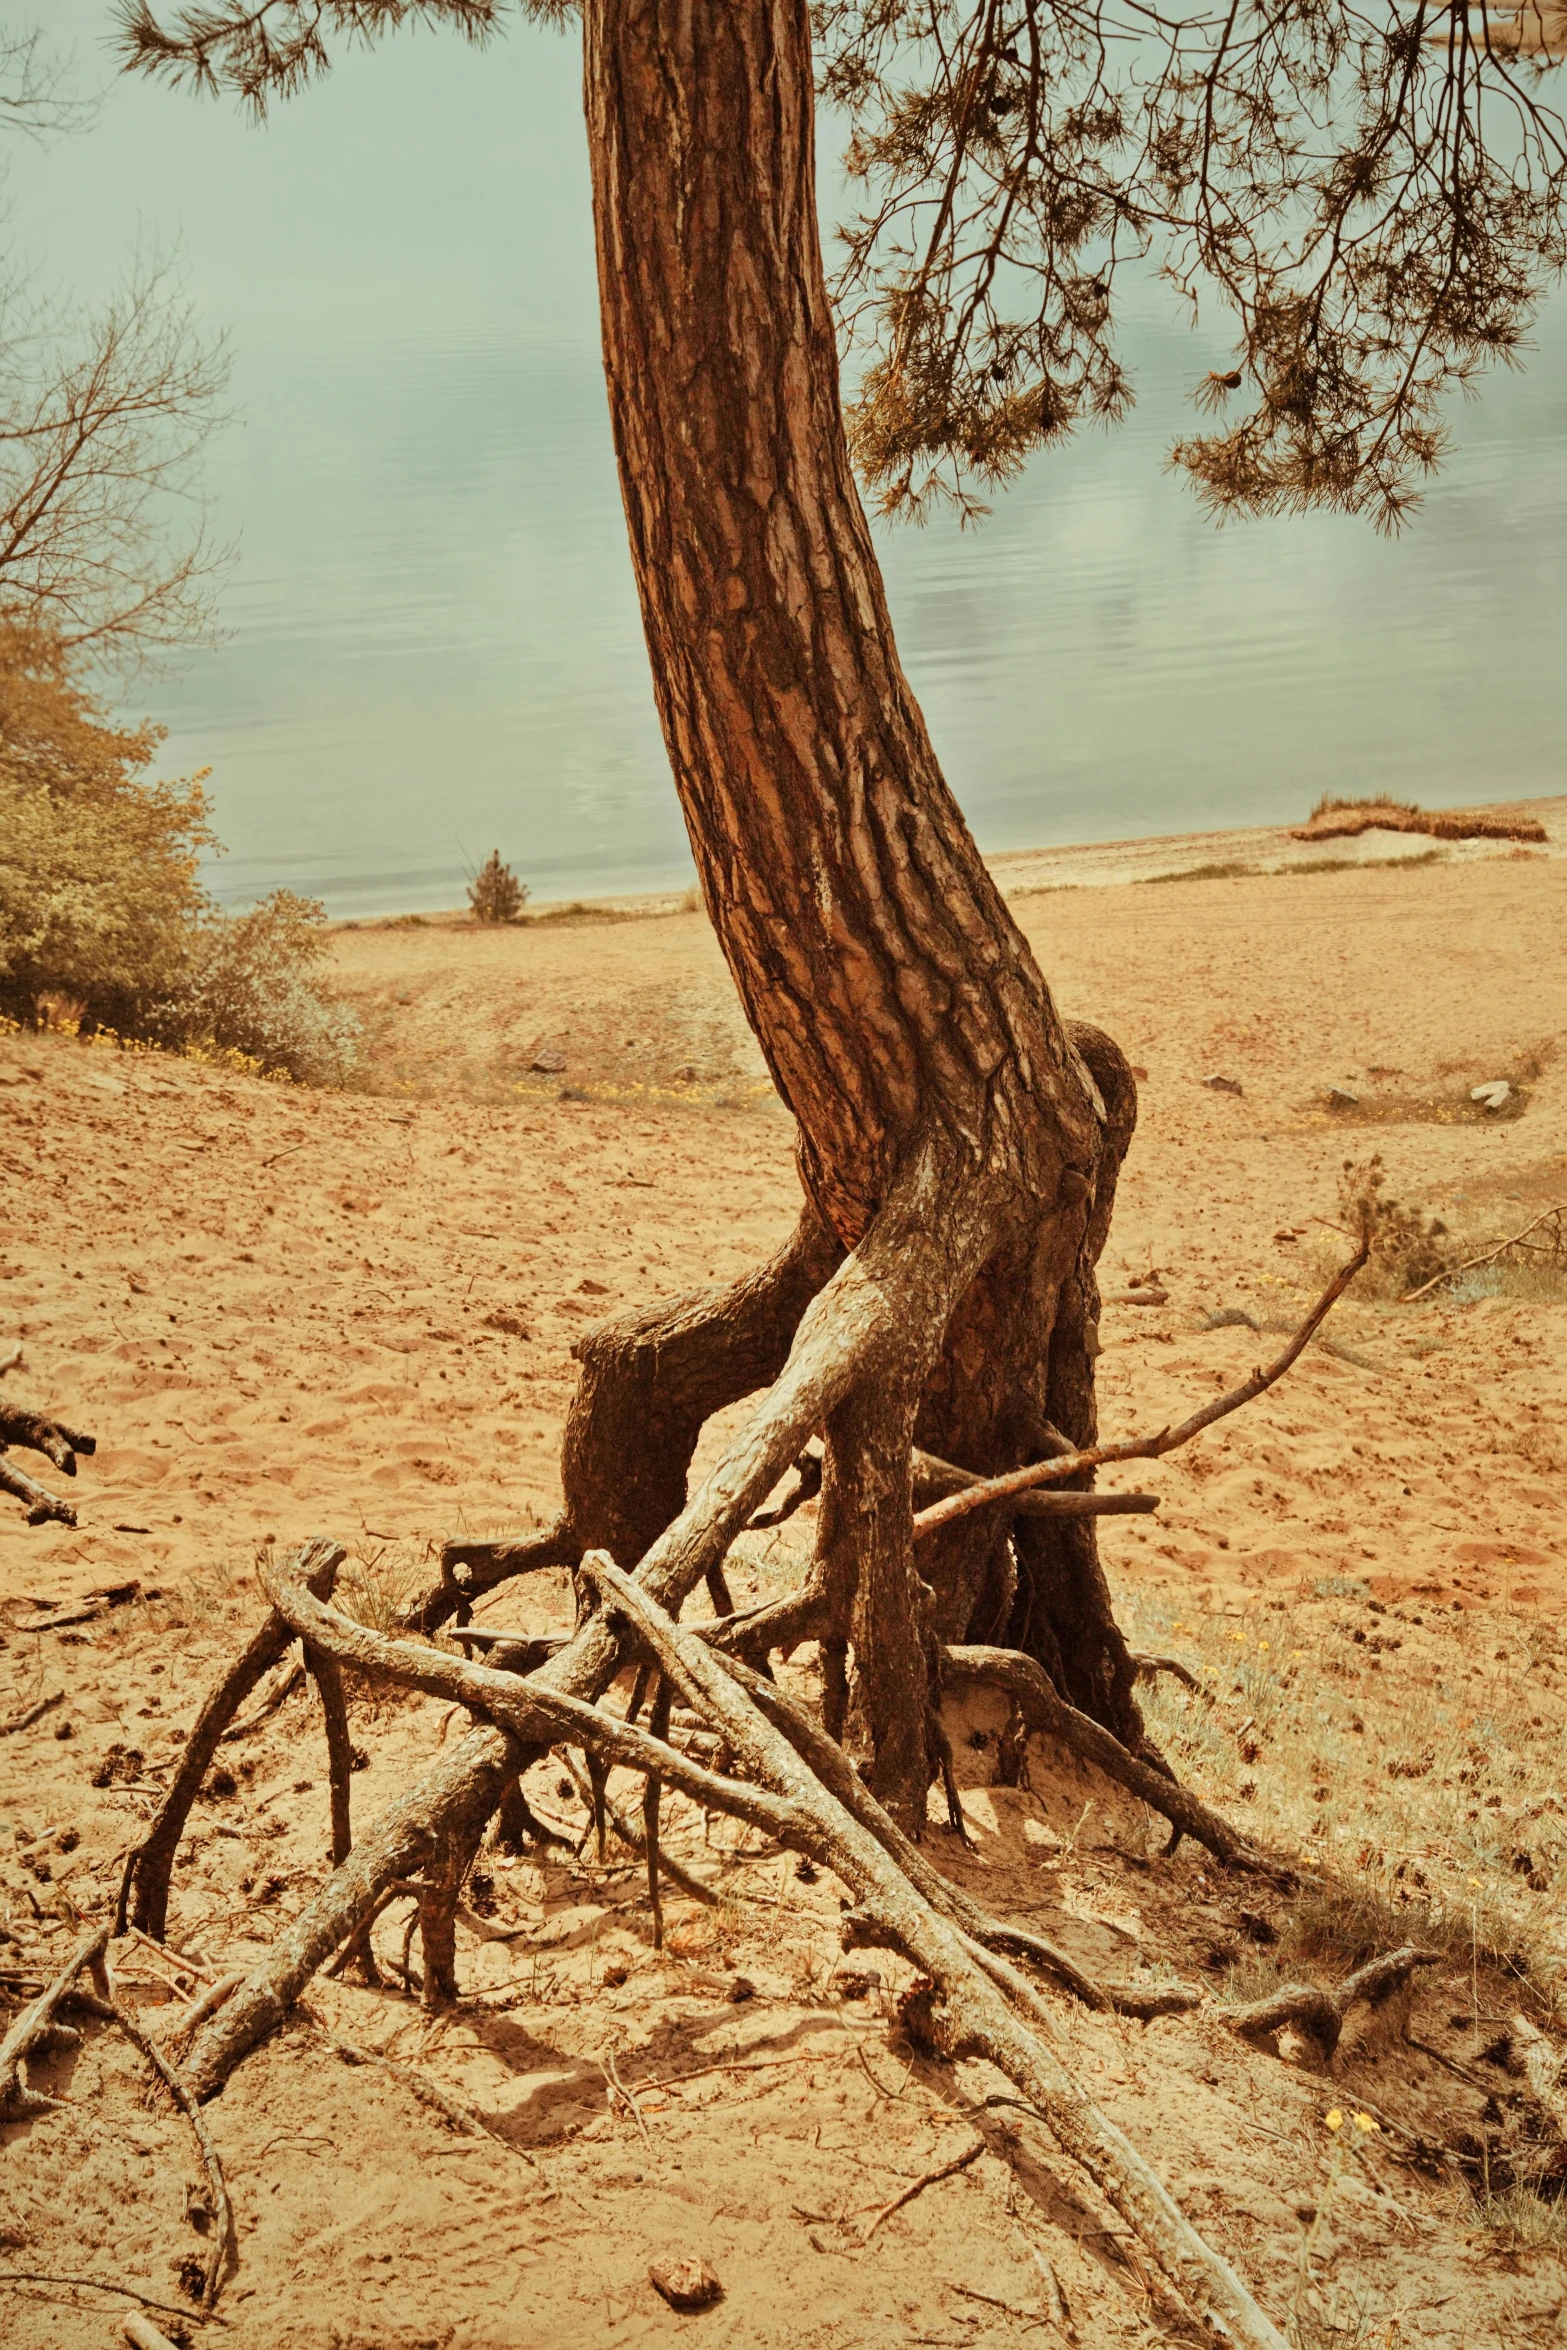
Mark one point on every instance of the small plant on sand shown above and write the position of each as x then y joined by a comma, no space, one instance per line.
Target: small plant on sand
495,893
1408,1248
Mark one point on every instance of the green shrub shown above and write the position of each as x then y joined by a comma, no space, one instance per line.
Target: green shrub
103,919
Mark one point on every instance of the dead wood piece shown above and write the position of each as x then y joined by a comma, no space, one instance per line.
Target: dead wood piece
142,2334
1148,1668
1043,1709
31,1713
931,2178
222,2210
35,1432
43,1507
1145,1448
1321,2014
977,2017
37,2027
150,1865
10,1358
935,1479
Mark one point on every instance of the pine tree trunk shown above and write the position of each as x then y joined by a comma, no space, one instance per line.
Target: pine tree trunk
892,994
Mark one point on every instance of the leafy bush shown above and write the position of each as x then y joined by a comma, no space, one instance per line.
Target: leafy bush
101,904
254,983
495,894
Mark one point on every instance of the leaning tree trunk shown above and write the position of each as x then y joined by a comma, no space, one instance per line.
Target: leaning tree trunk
892,994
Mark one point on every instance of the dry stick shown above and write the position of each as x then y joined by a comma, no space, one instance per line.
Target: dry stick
1485,1258
1144,1448
223,2210
35,2030
823,1756
31,1713
39,2276
918,2186
1322,2013
35,1432
927,1244
980,2022
634,1839
150,1865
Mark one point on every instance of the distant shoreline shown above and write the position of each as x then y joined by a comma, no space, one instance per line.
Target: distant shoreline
1249,852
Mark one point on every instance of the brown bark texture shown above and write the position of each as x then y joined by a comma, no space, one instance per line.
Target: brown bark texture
894,998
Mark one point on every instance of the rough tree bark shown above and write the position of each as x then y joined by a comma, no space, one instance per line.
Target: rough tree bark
892,994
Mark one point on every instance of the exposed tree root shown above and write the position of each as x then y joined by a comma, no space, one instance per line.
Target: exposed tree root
985,1997
38,2029
222,2210
1030,1690
149,1867
1319,2015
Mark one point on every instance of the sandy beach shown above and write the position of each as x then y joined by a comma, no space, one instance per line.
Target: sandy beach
285,1313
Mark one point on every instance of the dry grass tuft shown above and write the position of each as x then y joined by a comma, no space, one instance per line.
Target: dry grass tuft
1339,819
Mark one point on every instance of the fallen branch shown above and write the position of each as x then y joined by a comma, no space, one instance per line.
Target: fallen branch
150,1865
222,2209
37,2029
1319,2013
31,1713
1485,1258
1144,1448
945,2170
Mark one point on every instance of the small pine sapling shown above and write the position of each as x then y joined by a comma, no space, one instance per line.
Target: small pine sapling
496,895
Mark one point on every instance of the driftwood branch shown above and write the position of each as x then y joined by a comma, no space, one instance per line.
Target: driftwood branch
151,1865
38,2029
1320,2014
1144,1448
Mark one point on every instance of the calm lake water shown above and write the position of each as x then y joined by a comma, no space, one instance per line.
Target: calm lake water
434,646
